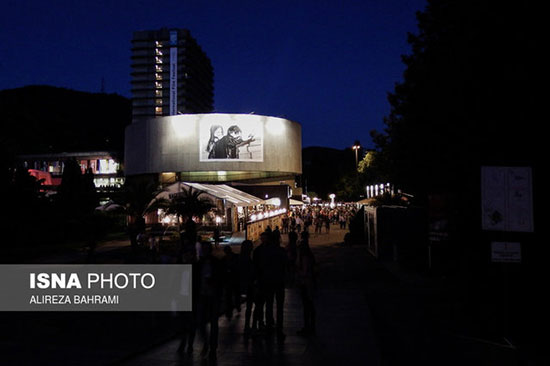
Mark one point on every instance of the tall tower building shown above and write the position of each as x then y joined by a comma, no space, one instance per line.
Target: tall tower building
171,74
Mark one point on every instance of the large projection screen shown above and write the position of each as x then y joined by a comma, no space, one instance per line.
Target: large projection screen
231,139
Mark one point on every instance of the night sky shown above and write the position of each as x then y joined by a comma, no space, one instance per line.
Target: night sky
325,64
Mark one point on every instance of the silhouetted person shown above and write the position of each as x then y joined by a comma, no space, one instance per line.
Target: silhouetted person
286,221
272,275
231,280
246,272
276,235
189,318
209,292
217,237
306,280
259,301
291,254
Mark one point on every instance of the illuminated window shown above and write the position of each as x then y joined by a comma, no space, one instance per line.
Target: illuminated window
158,93
158,60
158,85
158,68
158,101
158,44
158,52
158,111
158,76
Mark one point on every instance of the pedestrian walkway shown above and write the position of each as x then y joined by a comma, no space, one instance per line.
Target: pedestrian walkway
344,325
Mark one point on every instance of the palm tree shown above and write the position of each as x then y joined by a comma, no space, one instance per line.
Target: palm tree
187,205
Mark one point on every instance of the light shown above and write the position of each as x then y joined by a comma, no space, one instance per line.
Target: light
218,220
253,218
332,196
275,127
356,146
183,128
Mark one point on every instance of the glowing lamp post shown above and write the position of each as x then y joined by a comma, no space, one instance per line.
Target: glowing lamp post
356,146
332,196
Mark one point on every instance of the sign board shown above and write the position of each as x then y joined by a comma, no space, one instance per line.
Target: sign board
173,73
507,199
505,252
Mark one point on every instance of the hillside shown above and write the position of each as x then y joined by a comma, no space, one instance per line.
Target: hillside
43,119
322,168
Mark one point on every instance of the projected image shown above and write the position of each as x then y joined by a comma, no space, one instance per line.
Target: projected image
231,139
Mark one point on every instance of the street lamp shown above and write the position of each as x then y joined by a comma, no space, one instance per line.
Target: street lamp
356,146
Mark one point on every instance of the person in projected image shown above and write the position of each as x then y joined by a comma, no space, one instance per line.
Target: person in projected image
228,146
216,134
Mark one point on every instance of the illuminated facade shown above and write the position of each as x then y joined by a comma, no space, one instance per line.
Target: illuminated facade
104,165
170,74
215,148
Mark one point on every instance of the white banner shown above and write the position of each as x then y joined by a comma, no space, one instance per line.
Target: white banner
173,73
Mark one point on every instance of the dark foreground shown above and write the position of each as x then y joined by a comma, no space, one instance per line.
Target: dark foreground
368,313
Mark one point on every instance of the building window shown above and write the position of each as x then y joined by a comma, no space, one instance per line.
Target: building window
158,111
158,76
158,101
158,52
158,68
158,93
158,44
158,60
158,85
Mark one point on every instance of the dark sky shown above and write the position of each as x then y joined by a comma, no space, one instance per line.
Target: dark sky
325,64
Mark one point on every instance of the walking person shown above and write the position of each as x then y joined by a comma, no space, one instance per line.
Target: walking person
327,224
189,318
210,288
306,280
292,254
273,264
246,272
258,324
231,278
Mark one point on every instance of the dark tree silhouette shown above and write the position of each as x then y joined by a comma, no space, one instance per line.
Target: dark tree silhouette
466,98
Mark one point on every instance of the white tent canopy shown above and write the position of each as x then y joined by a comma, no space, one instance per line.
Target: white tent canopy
220,191
295,202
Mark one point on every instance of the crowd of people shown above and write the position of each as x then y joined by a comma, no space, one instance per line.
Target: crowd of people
260,274
318,217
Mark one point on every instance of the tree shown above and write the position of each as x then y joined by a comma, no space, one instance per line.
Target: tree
187,205
77,193
462,102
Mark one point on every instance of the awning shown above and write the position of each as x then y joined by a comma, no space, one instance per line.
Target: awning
221,191
295,202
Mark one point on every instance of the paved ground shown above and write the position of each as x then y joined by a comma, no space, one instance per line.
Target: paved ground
369,313
345,328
